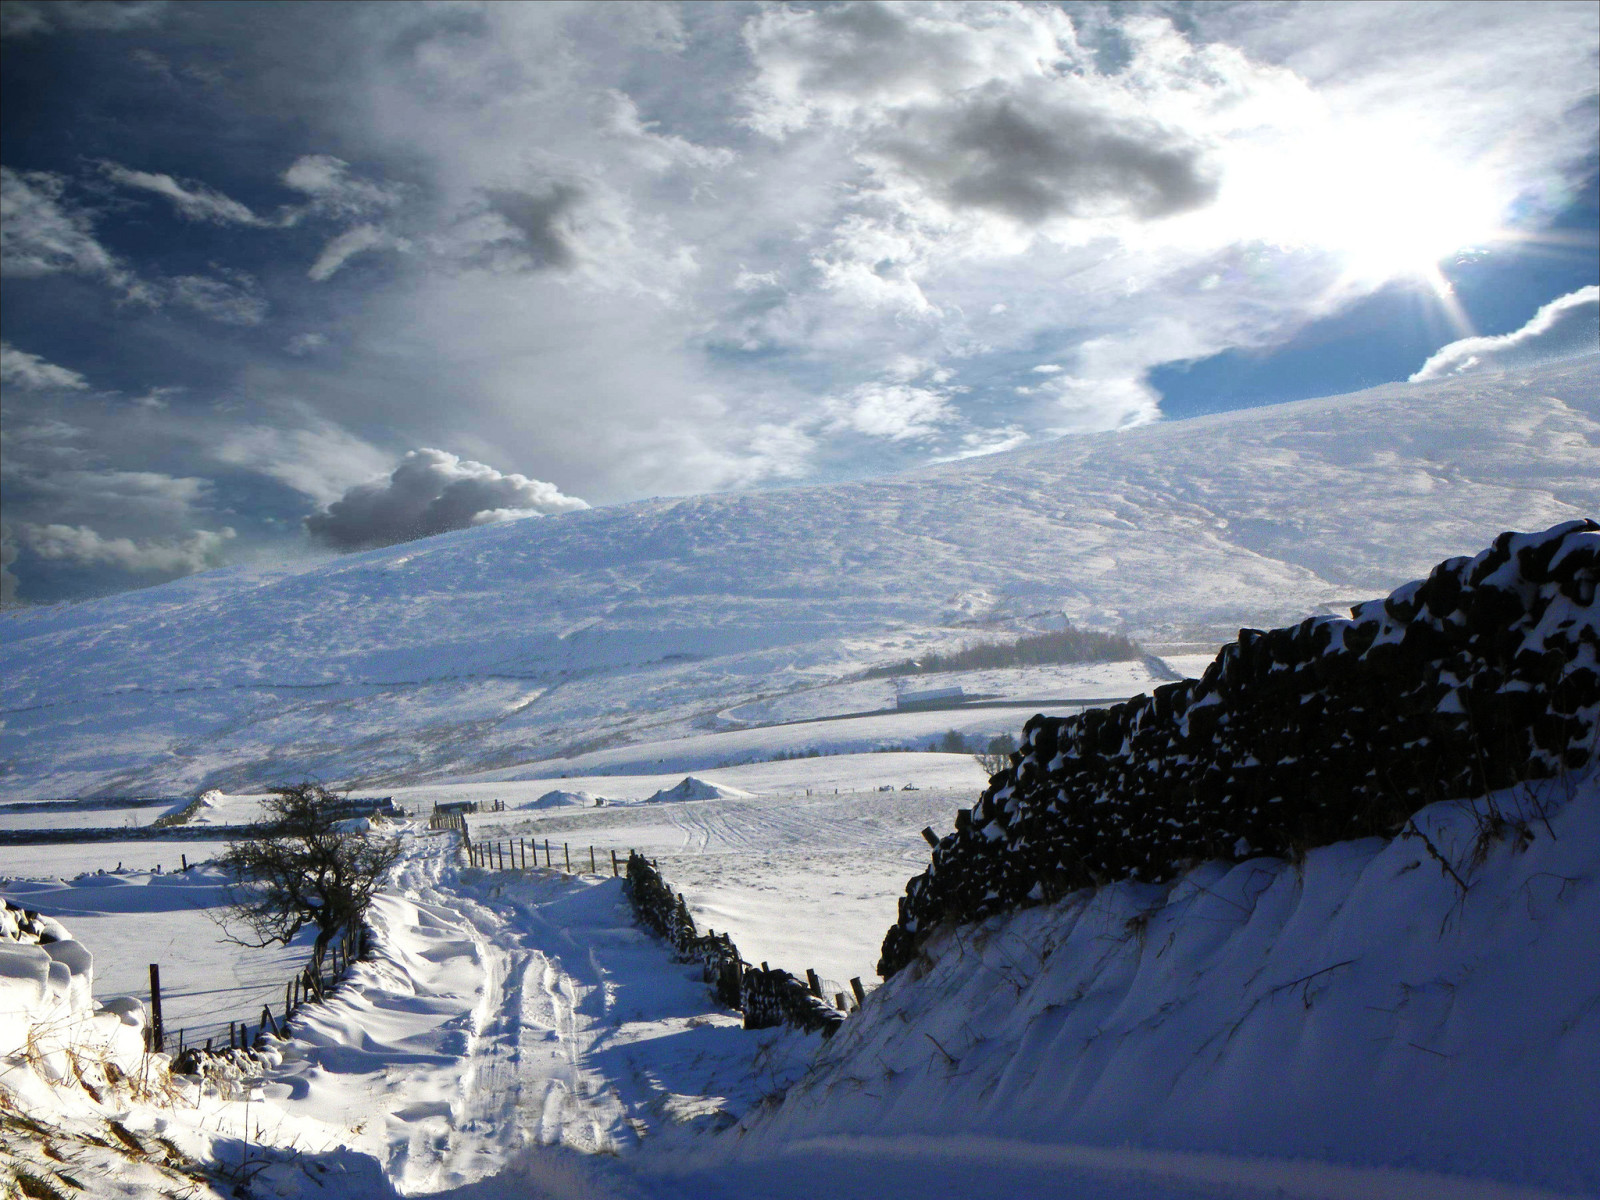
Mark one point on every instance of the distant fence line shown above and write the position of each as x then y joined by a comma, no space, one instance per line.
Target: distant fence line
767,996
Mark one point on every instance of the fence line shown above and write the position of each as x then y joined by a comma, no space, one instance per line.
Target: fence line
315,982
767,996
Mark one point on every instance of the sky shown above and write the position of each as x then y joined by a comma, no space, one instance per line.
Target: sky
289,280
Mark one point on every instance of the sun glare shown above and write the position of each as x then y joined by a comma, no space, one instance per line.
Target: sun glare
1386,207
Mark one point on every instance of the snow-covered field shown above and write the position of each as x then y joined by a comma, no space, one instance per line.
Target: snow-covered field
551,639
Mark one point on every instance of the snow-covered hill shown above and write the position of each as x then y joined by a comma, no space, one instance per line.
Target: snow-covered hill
537,639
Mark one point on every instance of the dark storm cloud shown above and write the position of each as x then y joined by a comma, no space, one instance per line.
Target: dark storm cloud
1032,164
539,220
431,492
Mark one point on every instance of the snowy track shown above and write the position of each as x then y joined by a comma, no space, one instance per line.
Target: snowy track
508,1012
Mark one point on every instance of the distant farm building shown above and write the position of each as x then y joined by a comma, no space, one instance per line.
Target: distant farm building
930,698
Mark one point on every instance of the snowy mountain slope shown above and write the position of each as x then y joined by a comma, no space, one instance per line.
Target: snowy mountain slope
1360,1008
517,642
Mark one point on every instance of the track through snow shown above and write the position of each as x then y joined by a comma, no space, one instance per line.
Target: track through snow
507,1012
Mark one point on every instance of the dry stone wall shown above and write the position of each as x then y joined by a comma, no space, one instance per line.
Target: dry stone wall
1482,675
765,995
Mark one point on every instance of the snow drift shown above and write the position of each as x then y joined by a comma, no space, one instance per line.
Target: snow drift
696,789
1360,1007
562,799
49,1021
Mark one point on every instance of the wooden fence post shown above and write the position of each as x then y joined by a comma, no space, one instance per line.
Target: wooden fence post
861,995
547,861
567,850
592,869
814,983
156,1033
614,871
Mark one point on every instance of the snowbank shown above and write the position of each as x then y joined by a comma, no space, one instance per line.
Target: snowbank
698,789
562,799
1371,1006
47,1011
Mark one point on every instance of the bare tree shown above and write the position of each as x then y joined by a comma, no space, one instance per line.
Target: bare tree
305,868
998,755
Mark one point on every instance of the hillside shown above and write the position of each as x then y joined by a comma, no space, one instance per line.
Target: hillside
639,623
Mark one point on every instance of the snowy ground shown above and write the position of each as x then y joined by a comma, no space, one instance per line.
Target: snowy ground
131,920
1353,1027
804,873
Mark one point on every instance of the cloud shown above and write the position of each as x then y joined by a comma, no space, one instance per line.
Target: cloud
42,234
431,492
8,556
20,18
1041,160
542,220
302,344
81,546
897,411
149,496
232,301
345,247
194,200
1568,325
334,191
837,62
29,372
317,458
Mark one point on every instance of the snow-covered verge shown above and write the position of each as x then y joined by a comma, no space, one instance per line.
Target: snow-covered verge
71,1074
1397,1015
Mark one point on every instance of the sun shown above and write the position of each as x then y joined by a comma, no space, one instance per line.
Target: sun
1385,205
1394,210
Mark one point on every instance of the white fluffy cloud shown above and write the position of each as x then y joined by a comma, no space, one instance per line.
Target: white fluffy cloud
1566,326
19,369
82,546
897,411
430,492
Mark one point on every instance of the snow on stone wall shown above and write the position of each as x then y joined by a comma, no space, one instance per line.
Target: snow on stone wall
1478,677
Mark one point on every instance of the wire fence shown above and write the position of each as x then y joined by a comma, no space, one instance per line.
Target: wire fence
329,963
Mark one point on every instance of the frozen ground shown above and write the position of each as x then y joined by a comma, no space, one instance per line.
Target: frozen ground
538,641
